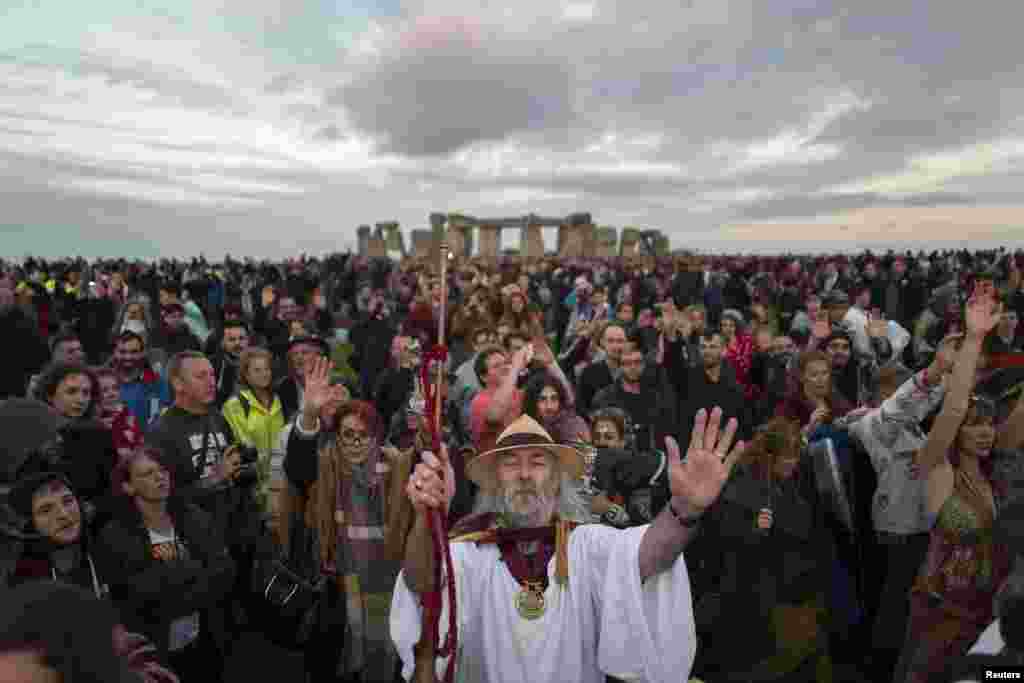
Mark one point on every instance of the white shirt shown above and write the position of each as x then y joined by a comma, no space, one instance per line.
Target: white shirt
604,621
990,642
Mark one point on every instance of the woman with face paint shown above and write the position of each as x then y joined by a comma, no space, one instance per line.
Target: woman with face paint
951,600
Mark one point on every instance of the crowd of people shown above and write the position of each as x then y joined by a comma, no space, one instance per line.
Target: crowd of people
814,461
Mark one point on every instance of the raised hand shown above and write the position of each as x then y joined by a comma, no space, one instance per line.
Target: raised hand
431,485
542,353
878,327
697,481
821,328
945,355
982,315
318,390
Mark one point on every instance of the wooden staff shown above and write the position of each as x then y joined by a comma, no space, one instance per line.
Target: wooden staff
427,649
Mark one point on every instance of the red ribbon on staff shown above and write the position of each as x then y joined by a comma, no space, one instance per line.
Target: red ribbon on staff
436,519
432,600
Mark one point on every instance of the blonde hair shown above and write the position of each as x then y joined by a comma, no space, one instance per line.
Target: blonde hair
246,359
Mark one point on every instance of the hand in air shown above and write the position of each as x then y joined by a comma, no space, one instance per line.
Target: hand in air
698,480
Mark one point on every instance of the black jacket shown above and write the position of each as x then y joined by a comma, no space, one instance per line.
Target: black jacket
696,391
288,391
371,350
150,593
745,572
652,411
225,369
593,379
179,435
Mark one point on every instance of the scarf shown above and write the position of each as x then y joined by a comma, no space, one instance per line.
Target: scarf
491,528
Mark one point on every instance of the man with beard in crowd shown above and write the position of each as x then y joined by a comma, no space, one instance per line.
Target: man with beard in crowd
868,334
854,375
142,389
577,602
234,341
712,382
648,405
601,373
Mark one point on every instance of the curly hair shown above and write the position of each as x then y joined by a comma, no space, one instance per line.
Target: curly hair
122,472
778,438
531,396
55,373
365,412
620,418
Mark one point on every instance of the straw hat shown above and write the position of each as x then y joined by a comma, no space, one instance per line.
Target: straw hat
525,432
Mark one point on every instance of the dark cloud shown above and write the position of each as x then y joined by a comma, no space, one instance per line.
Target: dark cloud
434,101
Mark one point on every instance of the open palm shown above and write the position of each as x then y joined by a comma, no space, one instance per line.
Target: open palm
318,391
983,314
698,479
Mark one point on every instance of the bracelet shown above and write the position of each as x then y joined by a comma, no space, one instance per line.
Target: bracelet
688,522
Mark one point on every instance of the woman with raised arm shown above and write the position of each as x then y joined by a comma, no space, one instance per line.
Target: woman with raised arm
340,483
951,600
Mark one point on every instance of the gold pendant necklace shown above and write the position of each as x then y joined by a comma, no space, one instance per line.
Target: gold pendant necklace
530,601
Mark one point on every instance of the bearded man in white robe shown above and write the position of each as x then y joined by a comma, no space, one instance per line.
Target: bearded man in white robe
542,598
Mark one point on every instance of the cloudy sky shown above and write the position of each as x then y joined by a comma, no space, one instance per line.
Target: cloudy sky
270,127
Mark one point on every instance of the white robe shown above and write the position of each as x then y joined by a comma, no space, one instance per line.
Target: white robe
603,622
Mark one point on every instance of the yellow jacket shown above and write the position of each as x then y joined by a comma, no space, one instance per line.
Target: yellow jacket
252,423
258,427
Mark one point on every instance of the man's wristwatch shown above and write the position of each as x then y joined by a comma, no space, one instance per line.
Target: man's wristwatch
688,522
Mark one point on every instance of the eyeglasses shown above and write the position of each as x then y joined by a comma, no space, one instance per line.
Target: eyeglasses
353,435
548,397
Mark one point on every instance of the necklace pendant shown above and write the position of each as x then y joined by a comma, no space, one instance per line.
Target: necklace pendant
530,602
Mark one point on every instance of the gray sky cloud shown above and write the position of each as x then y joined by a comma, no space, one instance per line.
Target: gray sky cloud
173,132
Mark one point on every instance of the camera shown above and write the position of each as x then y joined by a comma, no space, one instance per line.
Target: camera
247,470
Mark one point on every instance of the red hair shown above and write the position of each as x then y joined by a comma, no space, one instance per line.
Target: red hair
365,412
123,471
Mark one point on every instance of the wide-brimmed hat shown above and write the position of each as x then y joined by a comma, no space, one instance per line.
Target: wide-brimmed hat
525,432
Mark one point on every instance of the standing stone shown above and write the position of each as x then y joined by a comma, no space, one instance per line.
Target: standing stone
422,243
630,242
363,240
532,242
607,241
376,248
490,242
